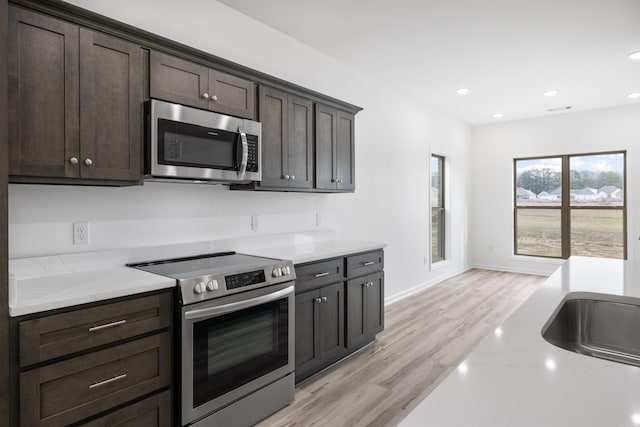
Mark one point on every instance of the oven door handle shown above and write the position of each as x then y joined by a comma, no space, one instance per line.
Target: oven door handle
236,306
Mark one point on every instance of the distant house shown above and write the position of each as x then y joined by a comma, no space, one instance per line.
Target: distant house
610,192
555,194
584,194
524,194
435,196
543,196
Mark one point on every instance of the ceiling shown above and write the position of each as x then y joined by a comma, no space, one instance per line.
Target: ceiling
507,52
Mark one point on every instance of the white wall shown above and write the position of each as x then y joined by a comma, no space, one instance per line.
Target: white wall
394,136
493,148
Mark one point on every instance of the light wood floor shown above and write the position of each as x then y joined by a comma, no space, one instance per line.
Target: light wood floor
426,336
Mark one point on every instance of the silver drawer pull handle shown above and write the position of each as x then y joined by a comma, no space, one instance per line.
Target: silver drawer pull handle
108,325
322,274
369,263
110,380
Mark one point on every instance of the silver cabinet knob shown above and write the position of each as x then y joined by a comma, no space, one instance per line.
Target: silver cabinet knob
318,300
324,299
293,177
73,161
214,97
287,177
88,162
205,95
339,180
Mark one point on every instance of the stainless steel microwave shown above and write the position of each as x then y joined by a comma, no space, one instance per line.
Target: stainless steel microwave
188,144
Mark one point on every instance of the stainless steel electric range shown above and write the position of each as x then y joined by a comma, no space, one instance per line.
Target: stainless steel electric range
236,356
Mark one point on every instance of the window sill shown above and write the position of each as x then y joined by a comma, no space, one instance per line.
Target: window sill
439,264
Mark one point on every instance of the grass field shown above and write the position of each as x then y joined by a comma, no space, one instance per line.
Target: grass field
594,232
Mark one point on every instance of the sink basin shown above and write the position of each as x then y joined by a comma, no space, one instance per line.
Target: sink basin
603,326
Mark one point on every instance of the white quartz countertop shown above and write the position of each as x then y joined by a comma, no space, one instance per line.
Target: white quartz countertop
37,294
46,283
514,378
314,251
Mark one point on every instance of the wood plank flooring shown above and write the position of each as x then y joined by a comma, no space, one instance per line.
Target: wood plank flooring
426,336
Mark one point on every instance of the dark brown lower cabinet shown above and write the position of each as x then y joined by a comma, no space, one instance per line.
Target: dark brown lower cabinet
365,309
338,309
152,411
66,392
116,368
319,329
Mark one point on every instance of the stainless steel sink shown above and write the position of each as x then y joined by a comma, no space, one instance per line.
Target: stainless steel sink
603,326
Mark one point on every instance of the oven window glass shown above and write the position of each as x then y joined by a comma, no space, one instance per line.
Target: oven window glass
236,348
184,144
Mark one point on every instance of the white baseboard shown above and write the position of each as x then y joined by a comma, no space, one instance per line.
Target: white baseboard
537,272
421,287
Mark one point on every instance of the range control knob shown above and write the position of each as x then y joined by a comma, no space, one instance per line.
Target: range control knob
212,285
277,272
286,270
199,288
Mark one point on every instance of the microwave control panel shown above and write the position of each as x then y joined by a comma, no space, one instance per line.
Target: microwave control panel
252,153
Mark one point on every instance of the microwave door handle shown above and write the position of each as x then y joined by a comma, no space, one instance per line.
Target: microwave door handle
236,306
245,154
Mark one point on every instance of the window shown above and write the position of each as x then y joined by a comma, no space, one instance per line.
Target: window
437,208
571,205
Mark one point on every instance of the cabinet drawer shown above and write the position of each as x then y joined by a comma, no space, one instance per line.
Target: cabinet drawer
154,411
366,263
314,275
59,335
70,391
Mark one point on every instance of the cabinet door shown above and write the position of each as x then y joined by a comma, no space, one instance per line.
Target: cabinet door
307,332
332,322
356,311
152,411
232,95
66,392
325,147
274,119
345,172
111,107
300,147
374,304
43,67
176,80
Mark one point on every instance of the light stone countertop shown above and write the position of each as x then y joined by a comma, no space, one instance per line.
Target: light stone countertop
314,251
514,378
46,283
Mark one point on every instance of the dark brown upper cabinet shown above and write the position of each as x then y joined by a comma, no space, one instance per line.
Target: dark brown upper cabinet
287,140
188,83
335,149
75,102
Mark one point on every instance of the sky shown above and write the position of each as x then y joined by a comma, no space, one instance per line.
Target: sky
595,163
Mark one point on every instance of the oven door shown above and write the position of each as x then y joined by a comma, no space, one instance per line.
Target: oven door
235,345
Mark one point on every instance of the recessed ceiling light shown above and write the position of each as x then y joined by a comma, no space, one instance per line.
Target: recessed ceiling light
634,95
498,115
462,91
551,92
634,55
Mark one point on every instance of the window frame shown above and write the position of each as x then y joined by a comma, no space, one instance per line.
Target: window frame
441,211
565,206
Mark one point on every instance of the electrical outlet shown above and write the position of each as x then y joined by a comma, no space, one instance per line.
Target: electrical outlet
255,222
318,219
80,233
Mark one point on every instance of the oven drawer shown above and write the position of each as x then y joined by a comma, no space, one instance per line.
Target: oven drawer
317,274
366,263
154,411
67,392
60,335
